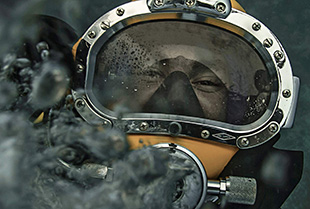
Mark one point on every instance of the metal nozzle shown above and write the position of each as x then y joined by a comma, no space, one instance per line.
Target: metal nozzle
239,190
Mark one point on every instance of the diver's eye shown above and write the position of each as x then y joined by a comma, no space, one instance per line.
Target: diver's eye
208,84
153,73
149,75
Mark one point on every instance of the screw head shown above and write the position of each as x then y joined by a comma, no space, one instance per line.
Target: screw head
273,128
205,134
286,93
220,7
158,3
104,25
190,3
256,26
278,55
45,54
144,126
268,43
120,11
244,142
79,103
80,68
42,46
91,34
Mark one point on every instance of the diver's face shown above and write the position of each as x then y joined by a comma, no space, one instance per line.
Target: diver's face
178,86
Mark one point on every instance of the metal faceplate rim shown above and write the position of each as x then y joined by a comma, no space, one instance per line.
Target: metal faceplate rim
225,133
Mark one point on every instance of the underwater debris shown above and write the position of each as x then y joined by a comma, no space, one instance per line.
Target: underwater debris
50,86
55,163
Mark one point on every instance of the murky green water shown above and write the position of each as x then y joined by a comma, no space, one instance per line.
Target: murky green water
289,20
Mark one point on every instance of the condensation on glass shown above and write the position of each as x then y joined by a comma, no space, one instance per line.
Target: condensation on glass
182,68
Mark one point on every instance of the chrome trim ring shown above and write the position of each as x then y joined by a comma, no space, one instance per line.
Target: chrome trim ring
237,22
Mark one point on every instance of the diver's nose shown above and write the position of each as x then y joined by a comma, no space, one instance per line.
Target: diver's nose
175,96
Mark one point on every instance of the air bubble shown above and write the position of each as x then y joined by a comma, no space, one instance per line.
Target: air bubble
53,74
30,165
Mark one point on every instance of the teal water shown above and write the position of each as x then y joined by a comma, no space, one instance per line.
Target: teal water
289,20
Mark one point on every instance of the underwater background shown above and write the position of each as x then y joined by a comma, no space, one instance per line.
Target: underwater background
289,20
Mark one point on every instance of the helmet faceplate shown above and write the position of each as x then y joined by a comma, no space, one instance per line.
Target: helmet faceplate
196,69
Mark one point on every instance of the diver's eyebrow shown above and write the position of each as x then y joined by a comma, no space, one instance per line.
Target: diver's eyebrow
199,69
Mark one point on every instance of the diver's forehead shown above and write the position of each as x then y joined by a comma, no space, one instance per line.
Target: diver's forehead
180,63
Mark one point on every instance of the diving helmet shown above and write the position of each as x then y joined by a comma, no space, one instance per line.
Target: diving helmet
199,77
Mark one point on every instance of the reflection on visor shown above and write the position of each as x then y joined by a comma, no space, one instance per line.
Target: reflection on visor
182,68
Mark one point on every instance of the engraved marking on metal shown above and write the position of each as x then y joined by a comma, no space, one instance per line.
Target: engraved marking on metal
223,136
